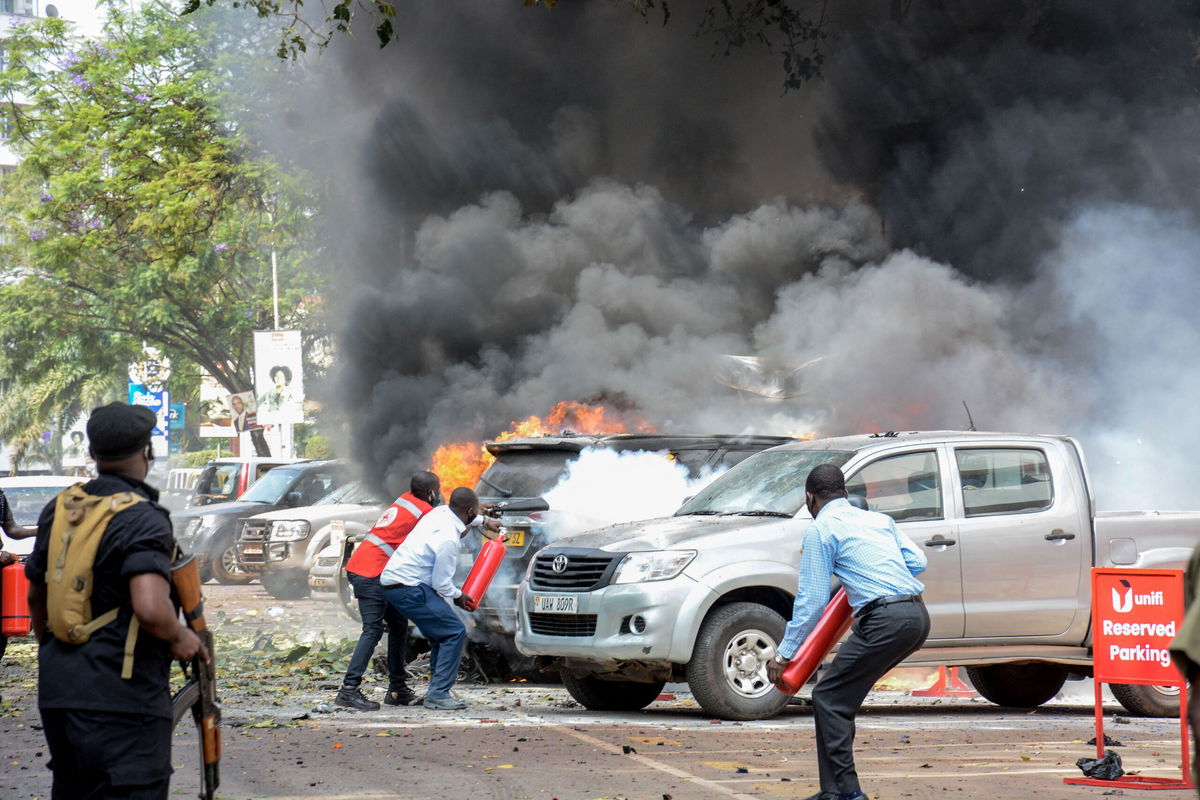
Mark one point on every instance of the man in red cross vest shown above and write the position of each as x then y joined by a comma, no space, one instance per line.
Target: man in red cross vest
363,571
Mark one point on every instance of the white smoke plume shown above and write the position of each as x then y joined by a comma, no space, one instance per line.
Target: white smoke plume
605,487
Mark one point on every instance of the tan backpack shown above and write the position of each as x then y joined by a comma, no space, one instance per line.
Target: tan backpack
80,520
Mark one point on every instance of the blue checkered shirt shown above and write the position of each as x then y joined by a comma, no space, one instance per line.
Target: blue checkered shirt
866,553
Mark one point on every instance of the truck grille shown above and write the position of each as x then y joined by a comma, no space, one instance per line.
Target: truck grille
255,531
584,570
563,624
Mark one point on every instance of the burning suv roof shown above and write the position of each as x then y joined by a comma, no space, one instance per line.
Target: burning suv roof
633,441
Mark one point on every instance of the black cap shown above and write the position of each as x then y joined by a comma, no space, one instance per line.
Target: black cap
119,430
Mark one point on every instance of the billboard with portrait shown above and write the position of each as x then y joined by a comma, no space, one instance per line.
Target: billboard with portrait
216,420
278,377
245,411
74,444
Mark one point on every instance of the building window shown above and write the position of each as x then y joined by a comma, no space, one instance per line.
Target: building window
22,8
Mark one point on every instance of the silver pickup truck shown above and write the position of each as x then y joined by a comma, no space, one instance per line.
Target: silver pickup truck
1008,522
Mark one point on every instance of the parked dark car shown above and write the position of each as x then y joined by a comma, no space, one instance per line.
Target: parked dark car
211,532
525,469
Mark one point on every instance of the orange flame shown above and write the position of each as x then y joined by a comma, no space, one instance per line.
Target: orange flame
461,463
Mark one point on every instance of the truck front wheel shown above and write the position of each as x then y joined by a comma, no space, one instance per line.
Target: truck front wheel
728,670
284,587
1018,685
599,695
1147,701
225,562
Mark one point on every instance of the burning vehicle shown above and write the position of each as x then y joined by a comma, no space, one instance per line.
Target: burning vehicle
526,470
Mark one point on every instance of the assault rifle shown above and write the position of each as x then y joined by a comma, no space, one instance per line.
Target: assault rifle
200,692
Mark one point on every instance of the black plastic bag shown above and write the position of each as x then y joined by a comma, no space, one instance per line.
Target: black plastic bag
1105,769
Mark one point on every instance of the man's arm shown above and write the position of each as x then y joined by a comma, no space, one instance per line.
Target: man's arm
914,559
151,595
37,609
12,529
445,560
812,592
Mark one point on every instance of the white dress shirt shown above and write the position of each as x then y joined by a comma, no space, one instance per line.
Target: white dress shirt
429,554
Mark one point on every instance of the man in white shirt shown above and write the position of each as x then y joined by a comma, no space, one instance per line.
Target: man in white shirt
418,582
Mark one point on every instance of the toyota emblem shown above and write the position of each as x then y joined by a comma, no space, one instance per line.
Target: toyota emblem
560,563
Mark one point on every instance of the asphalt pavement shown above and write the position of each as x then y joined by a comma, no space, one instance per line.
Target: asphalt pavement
284,739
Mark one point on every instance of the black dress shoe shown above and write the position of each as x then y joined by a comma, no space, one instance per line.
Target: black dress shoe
353,698
399,697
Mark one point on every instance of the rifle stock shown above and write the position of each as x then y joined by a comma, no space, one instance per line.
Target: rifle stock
202,699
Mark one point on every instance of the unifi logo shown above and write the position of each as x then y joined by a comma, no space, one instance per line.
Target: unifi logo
1123,603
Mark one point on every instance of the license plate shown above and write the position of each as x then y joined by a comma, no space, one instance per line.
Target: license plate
516,537
318,582
252,549
555,604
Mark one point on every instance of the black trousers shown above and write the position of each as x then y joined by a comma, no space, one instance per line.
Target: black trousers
105,755
878,641
376,612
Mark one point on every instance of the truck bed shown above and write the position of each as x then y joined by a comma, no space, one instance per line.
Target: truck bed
1146,539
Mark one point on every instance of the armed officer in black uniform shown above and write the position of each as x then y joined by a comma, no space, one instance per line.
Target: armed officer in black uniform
110,736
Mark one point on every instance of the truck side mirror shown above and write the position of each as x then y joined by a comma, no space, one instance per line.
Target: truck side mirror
292,499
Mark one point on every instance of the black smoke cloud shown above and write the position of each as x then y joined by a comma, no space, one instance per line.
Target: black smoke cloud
530,206
979,129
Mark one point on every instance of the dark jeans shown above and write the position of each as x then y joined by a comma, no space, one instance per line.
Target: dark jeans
375,611
442,628
105,755
878,642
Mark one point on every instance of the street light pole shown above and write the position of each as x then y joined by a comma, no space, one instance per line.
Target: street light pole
275,285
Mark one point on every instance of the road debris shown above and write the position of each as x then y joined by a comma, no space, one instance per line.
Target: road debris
1107,768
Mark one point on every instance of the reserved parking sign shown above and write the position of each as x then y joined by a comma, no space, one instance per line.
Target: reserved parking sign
1135,615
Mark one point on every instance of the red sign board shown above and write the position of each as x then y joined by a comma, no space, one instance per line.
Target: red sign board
1135,616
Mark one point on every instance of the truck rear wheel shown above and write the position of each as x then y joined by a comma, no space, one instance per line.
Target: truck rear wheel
1147,701
728,670
1018,685
599,695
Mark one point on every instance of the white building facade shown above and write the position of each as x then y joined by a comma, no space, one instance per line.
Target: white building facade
84,16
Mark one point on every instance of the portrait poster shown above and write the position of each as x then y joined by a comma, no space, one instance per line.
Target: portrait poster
74,444
245,411
216,420
278,377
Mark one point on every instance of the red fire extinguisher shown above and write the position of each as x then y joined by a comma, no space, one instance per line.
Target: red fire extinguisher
482,572
829,630
14,607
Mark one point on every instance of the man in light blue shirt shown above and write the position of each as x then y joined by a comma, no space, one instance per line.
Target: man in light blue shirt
877,566
418,583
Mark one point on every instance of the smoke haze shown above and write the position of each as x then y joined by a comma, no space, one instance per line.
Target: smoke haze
991,203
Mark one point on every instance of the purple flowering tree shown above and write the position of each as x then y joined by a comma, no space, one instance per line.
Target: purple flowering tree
139,213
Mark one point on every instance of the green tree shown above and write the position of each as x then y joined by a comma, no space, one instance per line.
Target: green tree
140,212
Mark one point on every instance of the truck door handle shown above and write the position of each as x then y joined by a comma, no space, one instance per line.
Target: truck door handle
1057,535
939,542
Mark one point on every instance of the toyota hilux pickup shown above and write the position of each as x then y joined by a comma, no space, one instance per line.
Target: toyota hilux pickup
1008,522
